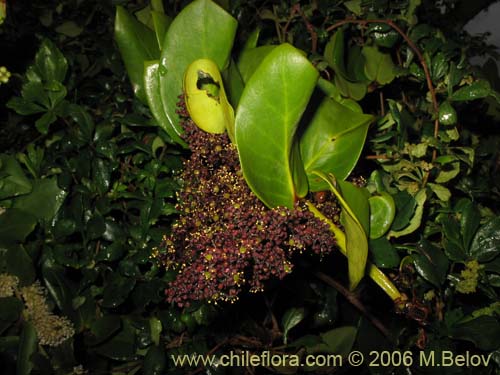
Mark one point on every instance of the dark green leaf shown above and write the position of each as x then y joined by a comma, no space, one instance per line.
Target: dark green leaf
155,361
18,263
280,88
290,319
15,225
42,124
122,346
103,328
210,37
383,253
137,43
24,107
431,263
483,331
27,347
117,290
10,312
486,243
13,181
469,223
44,200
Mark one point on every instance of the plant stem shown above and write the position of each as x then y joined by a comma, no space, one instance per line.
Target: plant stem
353,300
373,271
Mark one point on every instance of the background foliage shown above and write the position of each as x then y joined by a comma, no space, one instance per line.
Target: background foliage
88,182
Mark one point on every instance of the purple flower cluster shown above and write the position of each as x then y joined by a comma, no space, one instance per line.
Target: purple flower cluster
225,239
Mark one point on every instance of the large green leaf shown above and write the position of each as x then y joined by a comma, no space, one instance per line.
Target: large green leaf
44,201
250,59
201,30
332,142
161,23
268,114
355,219
152,89
137,43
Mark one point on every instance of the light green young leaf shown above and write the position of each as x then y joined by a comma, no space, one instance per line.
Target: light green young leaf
210,37
356,234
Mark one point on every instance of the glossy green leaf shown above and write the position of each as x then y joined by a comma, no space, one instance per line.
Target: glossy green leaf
447,114
250,59
117,290
137,43
13,181
153,96
415,220
44,200
431,263
210,37
382,213
161,23
476,90
27,347
469,223
355,226
266,120
383,253
332,142
291,318
405,209
486,243
379,66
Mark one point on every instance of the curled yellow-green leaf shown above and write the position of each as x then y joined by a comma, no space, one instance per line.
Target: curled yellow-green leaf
206,99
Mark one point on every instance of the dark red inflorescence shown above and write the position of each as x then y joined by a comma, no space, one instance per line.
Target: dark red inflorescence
225,239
